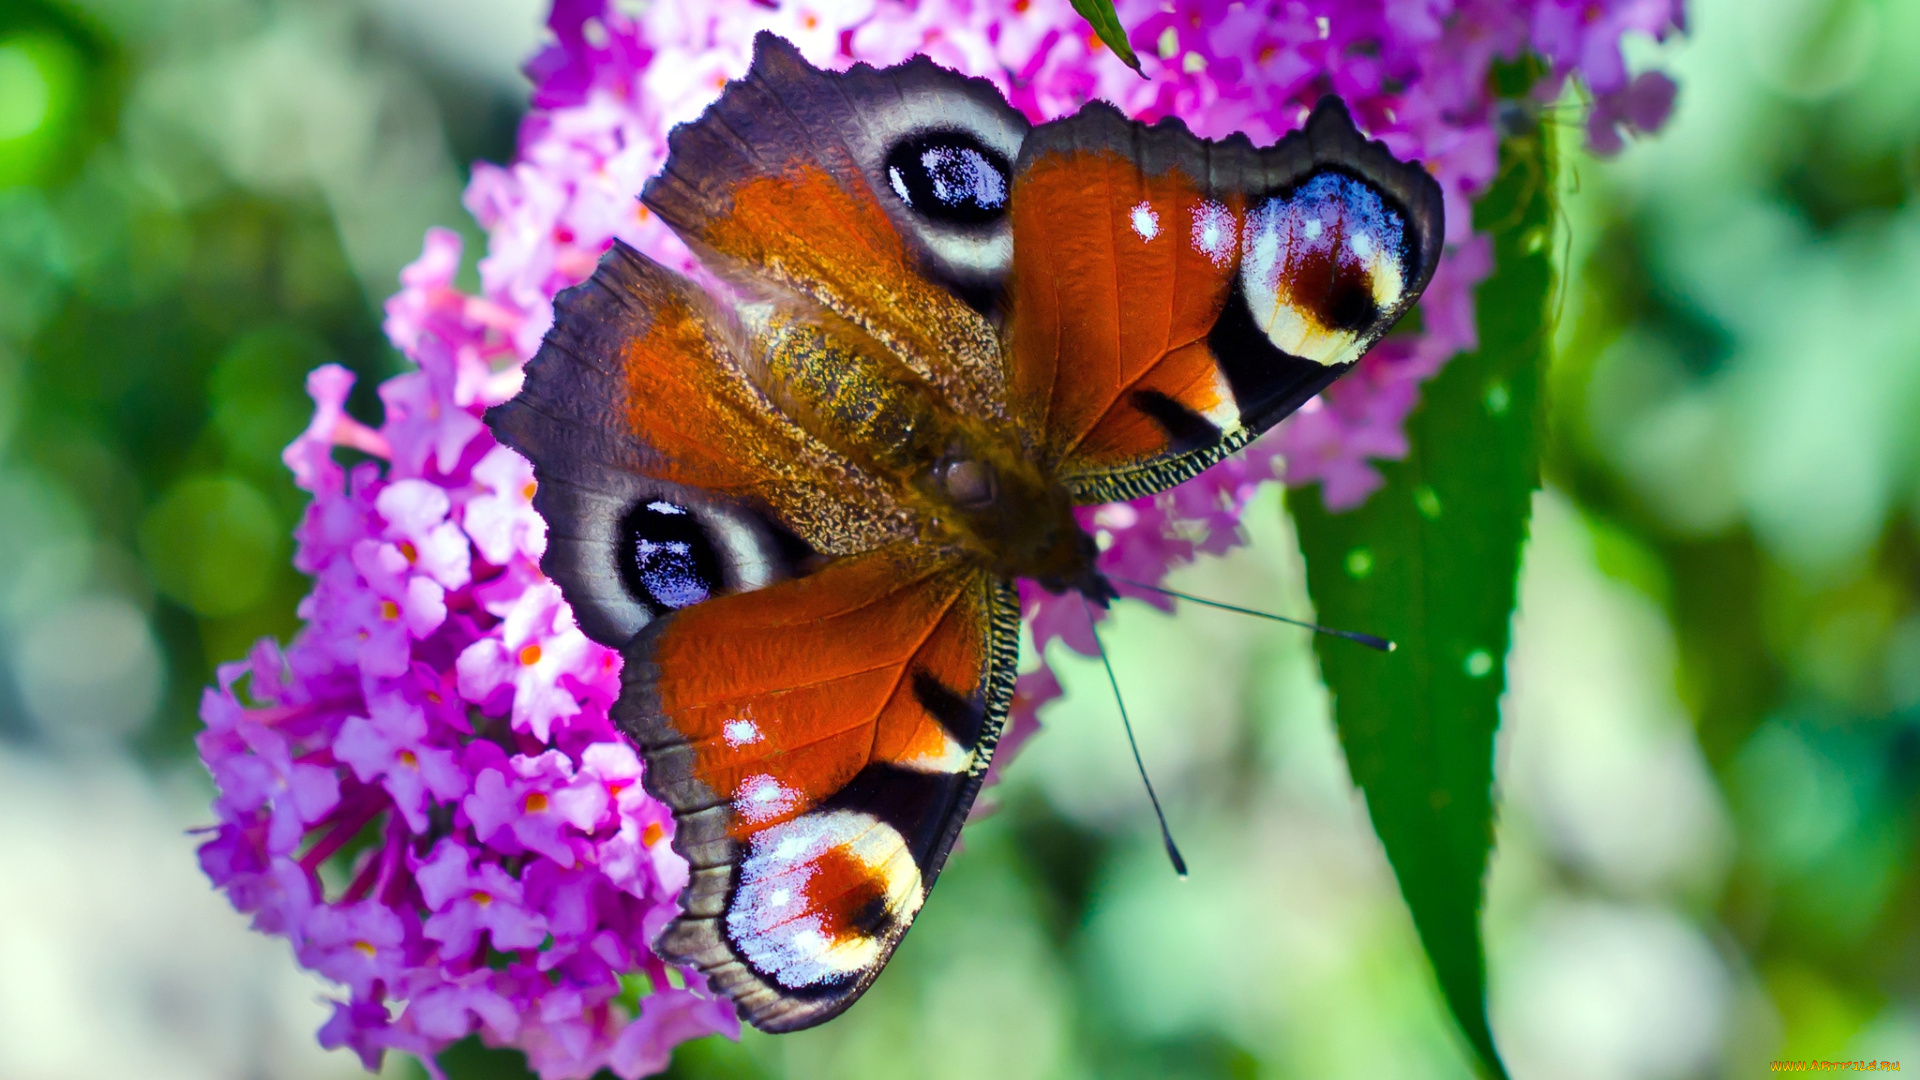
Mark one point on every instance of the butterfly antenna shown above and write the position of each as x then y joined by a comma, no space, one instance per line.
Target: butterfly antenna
1369,640
1166,834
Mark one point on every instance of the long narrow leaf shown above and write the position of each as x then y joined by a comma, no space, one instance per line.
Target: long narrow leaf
1106,23
1431,561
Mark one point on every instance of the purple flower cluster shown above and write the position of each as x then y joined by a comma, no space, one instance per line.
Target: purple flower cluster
422,792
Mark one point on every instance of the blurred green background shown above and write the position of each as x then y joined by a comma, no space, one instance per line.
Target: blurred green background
1712,738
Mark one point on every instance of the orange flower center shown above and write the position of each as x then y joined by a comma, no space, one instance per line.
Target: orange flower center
365,948
530,655
536,802
653,834
527,492
412,553
409,759
389,610
481,898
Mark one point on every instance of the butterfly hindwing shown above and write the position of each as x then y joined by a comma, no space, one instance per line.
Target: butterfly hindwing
820,742
1173,297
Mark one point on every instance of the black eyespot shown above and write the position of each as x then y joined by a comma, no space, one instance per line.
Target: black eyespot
666,558
1350,304
950,177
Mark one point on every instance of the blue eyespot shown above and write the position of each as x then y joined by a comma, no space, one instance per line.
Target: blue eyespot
667,559
950,177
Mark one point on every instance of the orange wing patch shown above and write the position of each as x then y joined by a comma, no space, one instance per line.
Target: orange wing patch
825,235
820,741
782,695
1118,277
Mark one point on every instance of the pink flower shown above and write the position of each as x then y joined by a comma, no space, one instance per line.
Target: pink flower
309,457
533,804
639,857
668,1018
1641,106
390,608
448,1010
538,646
418,531
467,901
421,429
259,774
361,1026
390,746
501,521
356,945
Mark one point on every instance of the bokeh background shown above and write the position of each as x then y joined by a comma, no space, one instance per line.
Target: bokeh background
1711,744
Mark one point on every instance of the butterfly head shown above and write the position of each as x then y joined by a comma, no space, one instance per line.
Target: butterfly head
992,500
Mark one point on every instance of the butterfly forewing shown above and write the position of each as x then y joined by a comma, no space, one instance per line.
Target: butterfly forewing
878,195
1173,297
663,473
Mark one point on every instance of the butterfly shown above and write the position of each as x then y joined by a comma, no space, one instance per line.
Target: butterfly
797,503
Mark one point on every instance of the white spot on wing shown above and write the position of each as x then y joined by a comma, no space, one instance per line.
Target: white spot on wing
1213,233
740,731
1146,223
761,797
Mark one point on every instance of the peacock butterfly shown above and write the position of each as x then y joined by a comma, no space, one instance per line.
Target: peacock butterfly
798,511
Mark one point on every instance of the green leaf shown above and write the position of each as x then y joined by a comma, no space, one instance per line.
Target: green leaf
1431,561
1106,23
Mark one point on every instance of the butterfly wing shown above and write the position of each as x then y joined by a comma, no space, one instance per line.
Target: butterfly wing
879,195
820,742
664,474
816,692
1172,297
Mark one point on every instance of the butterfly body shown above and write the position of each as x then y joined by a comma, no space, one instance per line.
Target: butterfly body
966,482
799,511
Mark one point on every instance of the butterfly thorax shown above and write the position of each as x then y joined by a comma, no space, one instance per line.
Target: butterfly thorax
1009,515
968,482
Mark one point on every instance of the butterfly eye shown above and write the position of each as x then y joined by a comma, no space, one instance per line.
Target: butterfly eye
667,560
950,177
970,483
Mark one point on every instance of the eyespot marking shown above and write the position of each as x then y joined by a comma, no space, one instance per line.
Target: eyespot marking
950,177
1321,265
818,896
666,558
